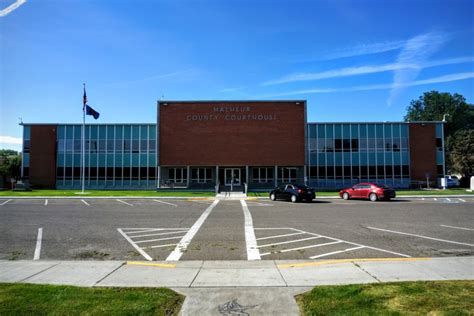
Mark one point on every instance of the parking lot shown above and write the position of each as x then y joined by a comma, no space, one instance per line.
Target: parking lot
202,229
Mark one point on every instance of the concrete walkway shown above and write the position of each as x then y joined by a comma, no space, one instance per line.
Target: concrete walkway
257,287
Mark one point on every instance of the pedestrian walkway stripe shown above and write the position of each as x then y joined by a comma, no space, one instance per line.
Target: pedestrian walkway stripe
160,234
421,236
5,202
46,202
184,243
316,236
140,250
126,203
301,248
85,202
163,202
280,236
336,252
336,261
457,227
252,250
159,239
288,242
37,254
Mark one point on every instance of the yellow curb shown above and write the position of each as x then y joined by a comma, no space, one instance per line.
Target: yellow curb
160,265
201,199
320,263
251,198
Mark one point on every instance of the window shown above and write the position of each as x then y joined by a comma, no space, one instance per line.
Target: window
287,174
177,175
262,175
201,175
439,144
355,144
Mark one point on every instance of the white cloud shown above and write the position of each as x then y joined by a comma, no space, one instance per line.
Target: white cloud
416,52
10,140
11,7
441,79
365,49
412,66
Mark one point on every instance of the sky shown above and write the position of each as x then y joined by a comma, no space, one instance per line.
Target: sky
359,60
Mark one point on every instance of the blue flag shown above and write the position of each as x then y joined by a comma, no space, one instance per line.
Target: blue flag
91,111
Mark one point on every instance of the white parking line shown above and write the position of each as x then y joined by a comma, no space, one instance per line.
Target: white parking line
146,230
45,202
184,243
85,202
304,247
175,205
5,202
288,242
124,202
421,236
159,239
140,250
38,244
159,234
435,199
456,227
336,252
280,236
422,199
160,246
448,199
252,250
462,200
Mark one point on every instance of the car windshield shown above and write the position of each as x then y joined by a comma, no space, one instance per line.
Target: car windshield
383,186
302,186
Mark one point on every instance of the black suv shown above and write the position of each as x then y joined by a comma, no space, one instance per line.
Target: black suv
293,192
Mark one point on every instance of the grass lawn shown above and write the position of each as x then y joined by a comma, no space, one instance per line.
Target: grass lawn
32,299
403,298
136,193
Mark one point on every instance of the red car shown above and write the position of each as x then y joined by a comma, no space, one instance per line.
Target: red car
367,190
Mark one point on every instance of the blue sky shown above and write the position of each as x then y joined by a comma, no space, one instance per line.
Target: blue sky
351,60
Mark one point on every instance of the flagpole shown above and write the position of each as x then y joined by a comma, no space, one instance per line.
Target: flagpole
83,143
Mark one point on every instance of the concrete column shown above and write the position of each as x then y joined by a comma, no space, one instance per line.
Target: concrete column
159,177
217,175
305,176
188,169
247,175
276,176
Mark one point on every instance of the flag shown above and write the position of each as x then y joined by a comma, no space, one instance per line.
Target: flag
84,99
91,111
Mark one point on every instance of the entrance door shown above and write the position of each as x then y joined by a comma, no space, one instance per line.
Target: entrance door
232,176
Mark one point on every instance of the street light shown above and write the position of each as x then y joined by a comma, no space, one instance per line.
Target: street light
444,117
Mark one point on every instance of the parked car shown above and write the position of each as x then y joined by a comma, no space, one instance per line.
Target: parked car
451,182
293,192
367,190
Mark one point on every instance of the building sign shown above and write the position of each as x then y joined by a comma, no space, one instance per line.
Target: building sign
232,113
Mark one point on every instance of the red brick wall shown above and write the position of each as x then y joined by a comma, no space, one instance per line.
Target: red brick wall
199,134
43,156
422,151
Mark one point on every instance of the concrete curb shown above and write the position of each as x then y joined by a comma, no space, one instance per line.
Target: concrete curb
223,274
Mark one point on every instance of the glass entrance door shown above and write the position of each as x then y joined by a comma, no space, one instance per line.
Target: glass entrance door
232,176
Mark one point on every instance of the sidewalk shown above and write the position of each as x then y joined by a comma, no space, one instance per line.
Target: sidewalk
209,284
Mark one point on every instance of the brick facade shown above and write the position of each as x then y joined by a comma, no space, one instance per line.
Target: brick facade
232,133
422,151
43,156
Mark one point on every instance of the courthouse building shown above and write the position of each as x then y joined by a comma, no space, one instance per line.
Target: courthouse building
231,145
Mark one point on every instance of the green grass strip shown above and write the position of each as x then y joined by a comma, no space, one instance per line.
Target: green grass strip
403,298
137,193
32,299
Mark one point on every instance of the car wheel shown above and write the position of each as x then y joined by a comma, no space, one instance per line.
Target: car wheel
293,198
272,197
373,197
346,196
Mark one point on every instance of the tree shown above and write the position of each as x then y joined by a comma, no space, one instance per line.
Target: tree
433,105
459,130
462,152
10,164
